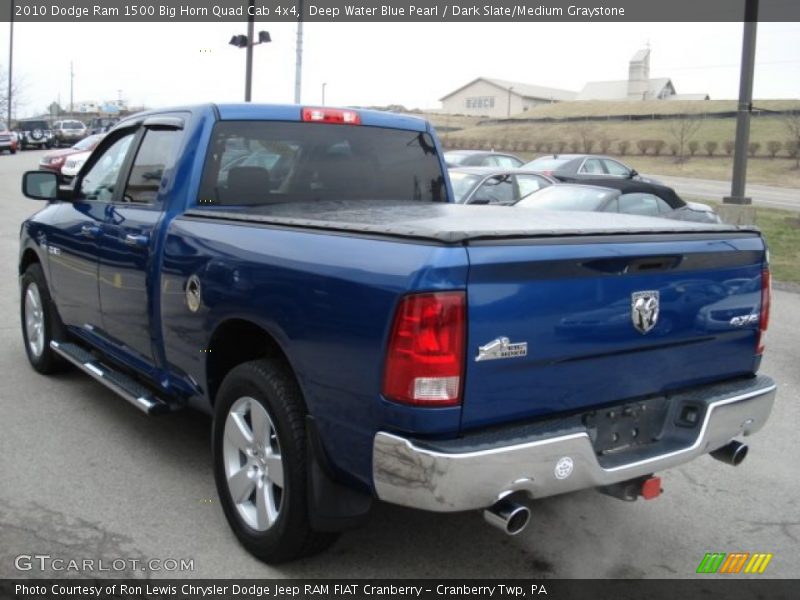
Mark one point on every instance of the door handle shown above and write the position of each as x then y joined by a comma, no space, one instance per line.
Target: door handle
136,240
90,231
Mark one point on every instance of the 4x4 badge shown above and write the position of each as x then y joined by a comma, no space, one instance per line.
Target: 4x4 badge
501,348
644,310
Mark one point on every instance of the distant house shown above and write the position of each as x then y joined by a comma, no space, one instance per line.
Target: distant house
638,86
499,98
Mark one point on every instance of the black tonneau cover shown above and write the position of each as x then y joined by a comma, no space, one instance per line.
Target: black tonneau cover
451,223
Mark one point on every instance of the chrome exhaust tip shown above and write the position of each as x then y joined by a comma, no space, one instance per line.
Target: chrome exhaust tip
507,516
733,453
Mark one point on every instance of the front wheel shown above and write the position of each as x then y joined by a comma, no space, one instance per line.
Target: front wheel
40,322
260,464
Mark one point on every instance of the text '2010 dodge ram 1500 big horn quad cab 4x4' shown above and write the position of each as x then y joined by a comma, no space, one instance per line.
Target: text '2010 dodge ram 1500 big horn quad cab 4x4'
303,275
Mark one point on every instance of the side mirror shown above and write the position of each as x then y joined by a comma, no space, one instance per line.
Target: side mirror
480,200
40,185
633,173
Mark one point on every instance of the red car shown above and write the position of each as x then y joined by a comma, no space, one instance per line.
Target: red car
8,141
53,161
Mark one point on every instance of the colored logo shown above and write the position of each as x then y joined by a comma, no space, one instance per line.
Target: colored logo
734,563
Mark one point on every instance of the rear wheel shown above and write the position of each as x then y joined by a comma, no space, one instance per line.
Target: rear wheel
40,322
260,462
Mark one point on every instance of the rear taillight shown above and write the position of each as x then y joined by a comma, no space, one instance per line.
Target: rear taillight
425,357
766,301
331,115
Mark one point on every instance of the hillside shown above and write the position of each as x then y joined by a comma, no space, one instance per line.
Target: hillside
660,135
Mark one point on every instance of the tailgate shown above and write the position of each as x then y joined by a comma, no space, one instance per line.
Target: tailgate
572,302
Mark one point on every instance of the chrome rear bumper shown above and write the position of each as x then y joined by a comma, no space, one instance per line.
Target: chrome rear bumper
418,474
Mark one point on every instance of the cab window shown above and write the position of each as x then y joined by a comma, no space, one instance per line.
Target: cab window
100,180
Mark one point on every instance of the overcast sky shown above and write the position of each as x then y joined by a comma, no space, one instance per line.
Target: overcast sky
414,65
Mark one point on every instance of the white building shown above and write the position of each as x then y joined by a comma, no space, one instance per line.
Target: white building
638,86
487,97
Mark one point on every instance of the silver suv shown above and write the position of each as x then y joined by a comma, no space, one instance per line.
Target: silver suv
68,132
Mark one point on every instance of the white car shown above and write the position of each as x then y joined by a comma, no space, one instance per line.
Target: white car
73,164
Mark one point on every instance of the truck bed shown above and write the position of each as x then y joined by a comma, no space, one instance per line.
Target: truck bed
451,223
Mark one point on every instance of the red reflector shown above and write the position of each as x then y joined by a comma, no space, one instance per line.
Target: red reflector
331,115
425,358
651,488
766,302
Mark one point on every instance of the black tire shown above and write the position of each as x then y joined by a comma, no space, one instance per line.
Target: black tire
47,361
290,535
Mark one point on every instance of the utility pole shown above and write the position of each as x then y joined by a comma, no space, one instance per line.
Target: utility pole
323,93
10,62
248,81
745,106
509,100
71,79
298,61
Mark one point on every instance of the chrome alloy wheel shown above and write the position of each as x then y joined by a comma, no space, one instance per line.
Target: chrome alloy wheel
253,463
34,320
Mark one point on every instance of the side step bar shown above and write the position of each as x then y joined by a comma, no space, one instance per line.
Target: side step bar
131,390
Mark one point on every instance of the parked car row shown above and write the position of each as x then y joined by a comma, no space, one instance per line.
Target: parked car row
8,141
40,134
68,161
575,182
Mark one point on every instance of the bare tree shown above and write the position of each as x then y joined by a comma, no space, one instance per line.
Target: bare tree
16,90
711,147
584,132
791,120
683,129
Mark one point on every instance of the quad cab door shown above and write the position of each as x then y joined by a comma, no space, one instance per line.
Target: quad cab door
128,260
73,241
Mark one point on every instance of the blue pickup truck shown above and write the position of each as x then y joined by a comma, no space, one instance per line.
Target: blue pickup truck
302,275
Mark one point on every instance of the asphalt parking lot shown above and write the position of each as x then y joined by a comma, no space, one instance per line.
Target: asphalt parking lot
84,475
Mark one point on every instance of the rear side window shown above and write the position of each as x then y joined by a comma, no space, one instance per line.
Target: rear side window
640,203
262,163
155,154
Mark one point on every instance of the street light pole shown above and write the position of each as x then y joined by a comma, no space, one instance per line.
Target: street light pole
248,79
745,106
323,93
509,100
298,60
247,42
10,62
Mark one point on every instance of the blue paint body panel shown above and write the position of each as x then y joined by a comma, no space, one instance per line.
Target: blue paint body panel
327,298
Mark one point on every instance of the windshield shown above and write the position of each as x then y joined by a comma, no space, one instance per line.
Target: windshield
88,143
72,125
3,126
567,197
277,162
30,125
462,184
546,163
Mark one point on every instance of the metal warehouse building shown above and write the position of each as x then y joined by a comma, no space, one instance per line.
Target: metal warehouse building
486,97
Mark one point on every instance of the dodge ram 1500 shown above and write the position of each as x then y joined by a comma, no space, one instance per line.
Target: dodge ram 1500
302,275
